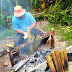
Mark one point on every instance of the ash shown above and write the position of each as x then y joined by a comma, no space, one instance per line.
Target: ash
36,59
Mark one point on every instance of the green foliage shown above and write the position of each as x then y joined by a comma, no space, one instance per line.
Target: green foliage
32,11
1,19
66,4
35,3
69,29
57,15
9,16
62,32
21,3
4,20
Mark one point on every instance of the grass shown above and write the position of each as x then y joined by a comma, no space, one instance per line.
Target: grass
7,33
62,32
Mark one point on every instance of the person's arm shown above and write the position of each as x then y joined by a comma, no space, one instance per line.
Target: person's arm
20,31
32,26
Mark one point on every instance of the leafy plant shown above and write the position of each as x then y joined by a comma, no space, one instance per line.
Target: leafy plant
55,14
69,29
5,20
36,4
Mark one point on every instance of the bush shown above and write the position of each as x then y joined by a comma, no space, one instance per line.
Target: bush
5,20
57,14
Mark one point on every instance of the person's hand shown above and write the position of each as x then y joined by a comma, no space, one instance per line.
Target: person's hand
29,28
25,35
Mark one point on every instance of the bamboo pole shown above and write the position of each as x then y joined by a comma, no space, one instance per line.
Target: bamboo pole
55,61
31,41
58,60
31,45
29,35
50,63
62,58
65,61
37,42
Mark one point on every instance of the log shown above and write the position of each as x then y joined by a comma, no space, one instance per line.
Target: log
50,63
55,61
58,60
65,61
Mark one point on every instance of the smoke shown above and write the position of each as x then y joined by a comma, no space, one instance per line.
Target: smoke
8,5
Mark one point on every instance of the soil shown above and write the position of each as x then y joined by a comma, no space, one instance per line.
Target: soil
5,63
58,44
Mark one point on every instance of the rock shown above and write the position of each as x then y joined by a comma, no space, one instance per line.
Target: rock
6,64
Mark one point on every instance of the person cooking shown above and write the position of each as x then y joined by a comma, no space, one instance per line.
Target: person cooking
23,21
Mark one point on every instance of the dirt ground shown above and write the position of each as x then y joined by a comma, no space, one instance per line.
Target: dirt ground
58,44
5,63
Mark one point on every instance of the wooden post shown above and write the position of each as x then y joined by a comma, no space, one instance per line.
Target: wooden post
58,60
50,63
37,42
55,61
65,61
62,58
